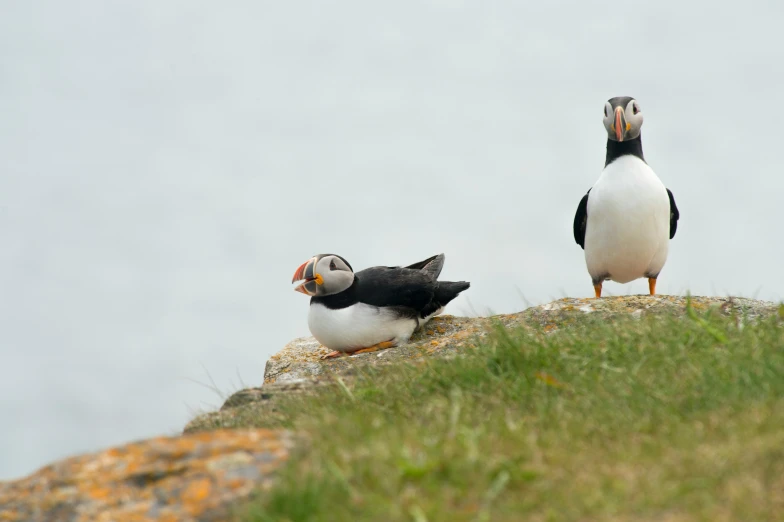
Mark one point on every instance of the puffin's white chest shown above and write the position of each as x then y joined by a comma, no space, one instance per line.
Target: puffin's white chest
357,326
627,232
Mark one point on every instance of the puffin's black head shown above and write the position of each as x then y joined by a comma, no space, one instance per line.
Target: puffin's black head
622,118
324,274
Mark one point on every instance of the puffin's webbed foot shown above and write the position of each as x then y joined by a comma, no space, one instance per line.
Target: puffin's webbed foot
376,347
332,355
652,285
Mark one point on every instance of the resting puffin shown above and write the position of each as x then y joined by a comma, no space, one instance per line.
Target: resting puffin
626,220
375,308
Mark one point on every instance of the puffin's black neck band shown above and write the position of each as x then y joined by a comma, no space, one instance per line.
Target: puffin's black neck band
342,299
616,149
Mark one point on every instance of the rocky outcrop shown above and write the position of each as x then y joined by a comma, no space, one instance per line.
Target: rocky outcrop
187,478
202,474
447,335
298,366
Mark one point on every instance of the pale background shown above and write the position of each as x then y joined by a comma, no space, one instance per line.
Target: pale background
166,165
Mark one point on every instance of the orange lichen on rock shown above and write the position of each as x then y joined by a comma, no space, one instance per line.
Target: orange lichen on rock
191,477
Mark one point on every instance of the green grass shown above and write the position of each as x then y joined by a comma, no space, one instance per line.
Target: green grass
658,419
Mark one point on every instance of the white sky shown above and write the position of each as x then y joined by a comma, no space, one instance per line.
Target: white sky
166,166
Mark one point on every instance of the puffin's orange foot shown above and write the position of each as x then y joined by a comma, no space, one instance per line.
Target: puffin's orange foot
597,289
332,354
376,347
652,285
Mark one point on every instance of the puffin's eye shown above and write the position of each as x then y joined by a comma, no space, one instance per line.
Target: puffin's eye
635,109
332,265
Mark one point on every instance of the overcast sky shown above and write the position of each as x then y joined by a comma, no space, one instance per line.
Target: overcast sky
165,166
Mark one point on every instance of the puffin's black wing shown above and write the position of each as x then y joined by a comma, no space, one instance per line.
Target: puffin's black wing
389,286
580,220
415,292
674,215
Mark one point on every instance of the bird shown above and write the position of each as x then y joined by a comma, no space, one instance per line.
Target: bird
625,222
373,309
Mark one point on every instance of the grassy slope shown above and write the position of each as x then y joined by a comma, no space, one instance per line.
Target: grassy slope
654,419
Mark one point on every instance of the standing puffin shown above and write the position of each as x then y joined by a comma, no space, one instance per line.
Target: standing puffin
375,308
626,220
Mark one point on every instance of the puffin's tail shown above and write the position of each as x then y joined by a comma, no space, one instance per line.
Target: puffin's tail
448,290
431,265
445,292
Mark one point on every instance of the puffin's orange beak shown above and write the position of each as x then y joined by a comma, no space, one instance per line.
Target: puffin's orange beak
306,271
620,123
620,126
299,274
302,290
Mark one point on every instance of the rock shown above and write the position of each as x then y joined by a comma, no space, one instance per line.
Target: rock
185,478
445,335
298,366
300,360
251,406
202,476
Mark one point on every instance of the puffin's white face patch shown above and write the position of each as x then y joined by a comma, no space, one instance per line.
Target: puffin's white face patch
334,274
608,118
634,119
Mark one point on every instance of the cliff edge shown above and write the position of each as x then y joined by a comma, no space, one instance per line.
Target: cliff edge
220,459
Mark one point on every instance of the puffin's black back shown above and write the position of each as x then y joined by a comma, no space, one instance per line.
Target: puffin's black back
413,290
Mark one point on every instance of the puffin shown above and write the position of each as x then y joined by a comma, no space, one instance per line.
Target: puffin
625,222
373,309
